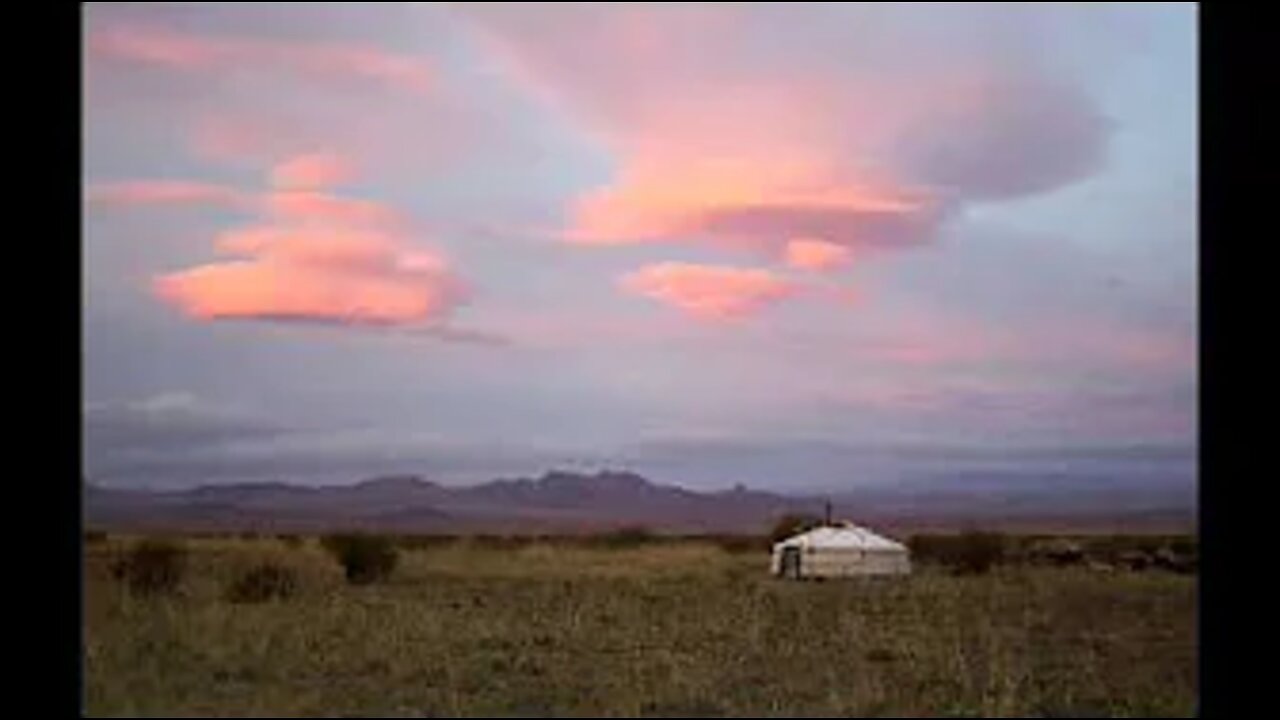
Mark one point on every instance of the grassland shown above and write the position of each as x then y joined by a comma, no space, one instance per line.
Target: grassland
682,629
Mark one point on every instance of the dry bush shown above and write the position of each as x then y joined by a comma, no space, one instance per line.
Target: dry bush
424,542
741,543
969,553
152,567
364,558
262,582
626,537
500,542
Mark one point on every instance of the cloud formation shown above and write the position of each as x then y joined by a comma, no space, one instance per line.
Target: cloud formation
727,131
317,257
1004,134
708,292
165,192
887,190
326,61
816,255
244,87
312,171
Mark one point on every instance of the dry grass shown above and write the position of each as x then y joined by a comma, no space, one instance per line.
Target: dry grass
681,629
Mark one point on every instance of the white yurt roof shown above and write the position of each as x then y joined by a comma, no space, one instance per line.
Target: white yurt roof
845,536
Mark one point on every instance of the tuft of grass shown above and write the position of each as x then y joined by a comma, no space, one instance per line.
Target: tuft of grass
263,582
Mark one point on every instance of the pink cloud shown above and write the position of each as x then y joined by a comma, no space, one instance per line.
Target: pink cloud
318,257
247,139
333,246
165,192
311,171
817,255
312,208
708,292
679,198
275,290
837,136
187,52
252,97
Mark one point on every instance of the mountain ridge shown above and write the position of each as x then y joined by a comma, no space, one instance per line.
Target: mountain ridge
556,498
565,501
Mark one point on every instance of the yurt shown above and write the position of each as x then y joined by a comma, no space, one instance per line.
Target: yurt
839,550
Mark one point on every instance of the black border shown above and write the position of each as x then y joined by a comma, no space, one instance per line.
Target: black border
1236,50
55,52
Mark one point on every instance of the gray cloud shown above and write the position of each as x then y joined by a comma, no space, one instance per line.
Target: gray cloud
1035,136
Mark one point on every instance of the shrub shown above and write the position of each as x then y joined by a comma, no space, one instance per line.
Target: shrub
971,552
263,582
1057,551
1184,546
289,540
364,558
791,524
152,567
425,542
95,537
500,542
626,537
1134,560
741,543
939,549
977,552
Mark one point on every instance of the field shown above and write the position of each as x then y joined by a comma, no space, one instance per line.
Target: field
685,629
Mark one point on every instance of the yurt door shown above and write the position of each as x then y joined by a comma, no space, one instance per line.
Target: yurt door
791,562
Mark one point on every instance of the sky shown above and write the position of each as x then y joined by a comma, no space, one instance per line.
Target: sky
790,246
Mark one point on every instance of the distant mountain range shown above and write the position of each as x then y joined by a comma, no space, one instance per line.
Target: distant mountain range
574,502
556,501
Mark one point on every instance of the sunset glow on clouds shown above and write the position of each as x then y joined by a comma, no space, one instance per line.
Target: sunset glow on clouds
813,254
319,60
316,257
175,192
711,145
658,217
708,292
315,171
